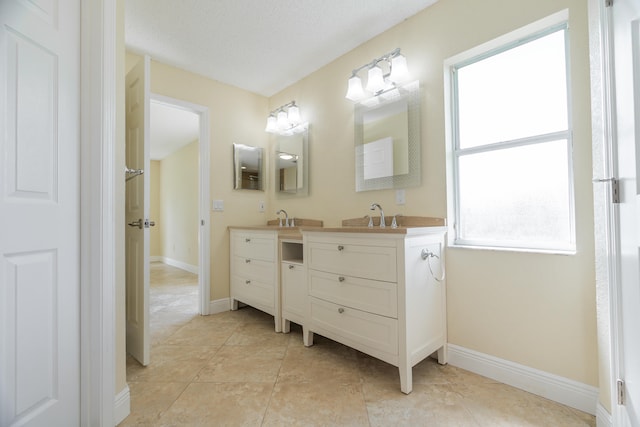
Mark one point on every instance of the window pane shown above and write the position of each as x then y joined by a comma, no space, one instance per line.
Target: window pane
514,94
517,195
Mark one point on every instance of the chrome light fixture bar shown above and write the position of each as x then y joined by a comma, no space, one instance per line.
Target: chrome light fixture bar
285,120
377,81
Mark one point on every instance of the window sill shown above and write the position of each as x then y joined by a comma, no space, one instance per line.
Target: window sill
569,252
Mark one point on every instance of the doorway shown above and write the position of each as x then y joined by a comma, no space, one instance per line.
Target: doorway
179,152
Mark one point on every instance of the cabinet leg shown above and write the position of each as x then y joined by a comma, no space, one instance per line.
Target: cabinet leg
307,336
278,325
286,326
234,304
406,378
443,355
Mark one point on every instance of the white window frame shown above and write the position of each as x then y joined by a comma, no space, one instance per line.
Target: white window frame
531,32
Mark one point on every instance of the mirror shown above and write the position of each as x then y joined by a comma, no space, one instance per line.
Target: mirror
387,140
247,167
291,164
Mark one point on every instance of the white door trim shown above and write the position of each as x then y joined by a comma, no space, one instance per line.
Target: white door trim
97,223
606,227
204,248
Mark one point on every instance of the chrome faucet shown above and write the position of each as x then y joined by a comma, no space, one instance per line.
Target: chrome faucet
286,218
373,208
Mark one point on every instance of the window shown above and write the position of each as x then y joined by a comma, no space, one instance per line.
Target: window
511,172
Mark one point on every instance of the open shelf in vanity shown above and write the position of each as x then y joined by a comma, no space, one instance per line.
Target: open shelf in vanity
291,251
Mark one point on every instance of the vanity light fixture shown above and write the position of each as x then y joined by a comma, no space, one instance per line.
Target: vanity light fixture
285,120
377,81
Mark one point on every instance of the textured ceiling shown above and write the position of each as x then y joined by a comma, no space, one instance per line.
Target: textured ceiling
261,46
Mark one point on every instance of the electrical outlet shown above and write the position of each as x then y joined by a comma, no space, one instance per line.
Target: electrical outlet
400,200
261,206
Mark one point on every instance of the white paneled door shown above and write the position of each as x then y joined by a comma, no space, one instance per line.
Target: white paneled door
39,212
137,212
626,51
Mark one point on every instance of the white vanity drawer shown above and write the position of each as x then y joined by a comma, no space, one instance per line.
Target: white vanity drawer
370,330
252,268
367,261
256,246
373,296
253,292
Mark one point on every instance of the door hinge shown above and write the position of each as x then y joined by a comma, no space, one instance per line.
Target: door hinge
615,188
620,391
608,3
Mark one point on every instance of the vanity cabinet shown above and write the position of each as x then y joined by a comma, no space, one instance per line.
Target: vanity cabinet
253,271
380,293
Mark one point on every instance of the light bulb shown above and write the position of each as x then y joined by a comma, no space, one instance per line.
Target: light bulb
399,70
283,120
294,115
355,92
271,124
375,82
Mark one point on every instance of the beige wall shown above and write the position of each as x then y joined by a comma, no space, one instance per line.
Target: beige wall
235,116
155,233
534,309
178,220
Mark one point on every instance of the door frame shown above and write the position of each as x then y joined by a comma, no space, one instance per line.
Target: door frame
98,132
606,226
204,163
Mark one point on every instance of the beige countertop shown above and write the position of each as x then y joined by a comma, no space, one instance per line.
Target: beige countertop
296,232
409,225
377,230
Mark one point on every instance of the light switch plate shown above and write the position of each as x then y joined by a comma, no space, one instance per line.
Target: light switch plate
261,206
218,205
400,200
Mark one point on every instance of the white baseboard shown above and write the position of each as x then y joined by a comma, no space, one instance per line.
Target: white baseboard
175,263
603,417
559,389
219,306
122,405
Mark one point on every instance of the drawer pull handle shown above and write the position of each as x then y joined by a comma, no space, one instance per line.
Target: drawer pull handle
340,247
340,279
341,310
247,240
248,282
291,267
247,261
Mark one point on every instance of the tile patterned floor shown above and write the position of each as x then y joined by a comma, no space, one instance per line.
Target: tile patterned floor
232,369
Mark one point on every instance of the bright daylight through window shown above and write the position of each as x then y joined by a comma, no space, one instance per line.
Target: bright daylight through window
512,167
